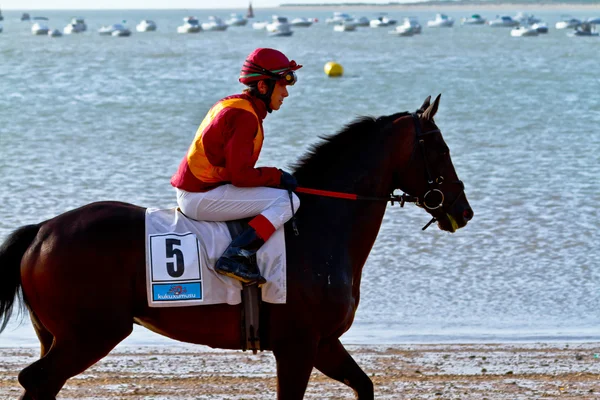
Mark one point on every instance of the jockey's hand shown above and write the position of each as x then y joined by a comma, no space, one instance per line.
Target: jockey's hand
288,182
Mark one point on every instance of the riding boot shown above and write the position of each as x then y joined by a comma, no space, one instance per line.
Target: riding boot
239,260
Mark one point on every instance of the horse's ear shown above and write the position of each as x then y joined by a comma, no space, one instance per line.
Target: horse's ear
425,105
432,109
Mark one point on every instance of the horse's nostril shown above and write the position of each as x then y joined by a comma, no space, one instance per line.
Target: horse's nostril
468,214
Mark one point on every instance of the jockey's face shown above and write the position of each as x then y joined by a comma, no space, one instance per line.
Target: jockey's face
280,92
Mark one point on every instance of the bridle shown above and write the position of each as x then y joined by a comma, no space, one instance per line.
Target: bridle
433,198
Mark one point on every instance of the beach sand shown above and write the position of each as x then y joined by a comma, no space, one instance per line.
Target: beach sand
424,371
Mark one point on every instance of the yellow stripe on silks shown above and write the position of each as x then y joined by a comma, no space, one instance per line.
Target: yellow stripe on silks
196,157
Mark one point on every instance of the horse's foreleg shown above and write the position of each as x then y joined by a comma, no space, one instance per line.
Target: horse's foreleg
334,361
295,362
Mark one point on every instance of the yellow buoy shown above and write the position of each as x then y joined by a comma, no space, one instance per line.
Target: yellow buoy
333,69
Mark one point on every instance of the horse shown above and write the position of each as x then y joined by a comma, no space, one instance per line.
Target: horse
57,268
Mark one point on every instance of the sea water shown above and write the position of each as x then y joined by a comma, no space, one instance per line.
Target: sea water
86,118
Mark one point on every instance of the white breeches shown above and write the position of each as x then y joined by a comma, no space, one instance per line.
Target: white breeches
228,202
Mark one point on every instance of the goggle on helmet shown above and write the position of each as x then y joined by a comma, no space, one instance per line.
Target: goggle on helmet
287,75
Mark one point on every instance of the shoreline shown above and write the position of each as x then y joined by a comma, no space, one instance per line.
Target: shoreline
465,371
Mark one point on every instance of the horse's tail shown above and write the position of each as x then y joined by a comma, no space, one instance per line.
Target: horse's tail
11,253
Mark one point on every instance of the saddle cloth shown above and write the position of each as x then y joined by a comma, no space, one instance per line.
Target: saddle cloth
180,258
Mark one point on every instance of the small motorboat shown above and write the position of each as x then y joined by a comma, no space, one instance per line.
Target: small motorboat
402,30
378,22
570,23
474,19
40,18
541,27
146,25
25,17
441,21
77,25
121,32
260,25
214,24
526,19
337,18
279,27
585,29
504,21
190,25
347,26
39,28
301,22
523,31
114,30
54,33
361,21
412,24
236,20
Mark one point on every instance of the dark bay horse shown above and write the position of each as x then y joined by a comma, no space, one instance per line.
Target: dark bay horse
61,265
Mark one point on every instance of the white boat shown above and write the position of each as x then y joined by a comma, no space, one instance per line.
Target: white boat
236,20
279,27
54,33
402,30
568,24
526,19
214,24
541,27
39,28
347,26
337,18
410,23
146,25
361,21
121,32
585,29
441,21
378,22
474,19
523,31
503,21
77,25
301,22
190,25
388,21
260,25
114,30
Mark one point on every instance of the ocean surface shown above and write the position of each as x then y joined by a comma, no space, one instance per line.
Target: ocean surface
86,118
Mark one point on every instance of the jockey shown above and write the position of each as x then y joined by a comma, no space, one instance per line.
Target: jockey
217,179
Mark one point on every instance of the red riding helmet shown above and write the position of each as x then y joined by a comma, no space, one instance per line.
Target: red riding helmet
268,64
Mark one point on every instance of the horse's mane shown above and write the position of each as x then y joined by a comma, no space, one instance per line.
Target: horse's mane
347,144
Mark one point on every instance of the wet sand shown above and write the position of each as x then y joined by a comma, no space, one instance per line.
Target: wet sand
462,371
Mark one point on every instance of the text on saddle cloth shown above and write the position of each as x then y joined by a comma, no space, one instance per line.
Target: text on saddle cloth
180,258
